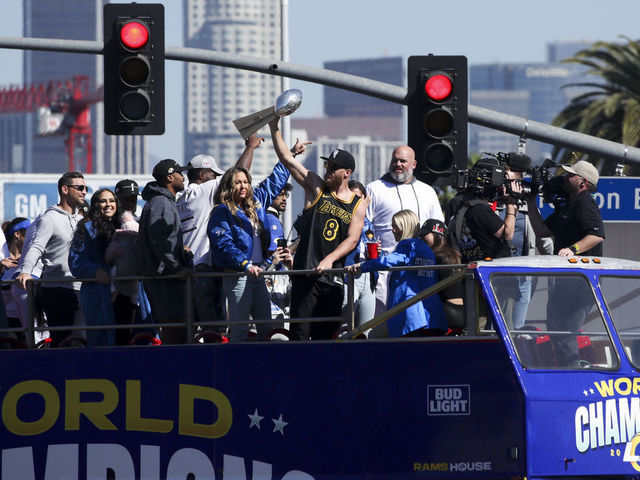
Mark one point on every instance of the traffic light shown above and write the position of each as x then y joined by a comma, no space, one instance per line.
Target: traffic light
437,100
133,69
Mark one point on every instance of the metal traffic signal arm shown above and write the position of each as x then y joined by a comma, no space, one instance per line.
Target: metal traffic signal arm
392,93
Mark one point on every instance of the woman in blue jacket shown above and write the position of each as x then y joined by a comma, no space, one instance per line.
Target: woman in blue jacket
404,285
239,242
86,260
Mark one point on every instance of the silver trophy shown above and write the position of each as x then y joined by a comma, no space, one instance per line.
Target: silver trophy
286,103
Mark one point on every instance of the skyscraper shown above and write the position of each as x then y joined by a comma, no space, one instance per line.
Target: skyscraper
342,103
215,96
535,91
72,20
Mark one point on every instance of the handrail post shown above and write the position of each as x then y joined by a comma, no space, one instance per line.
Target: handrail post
349,314
470,303
189,306
30,333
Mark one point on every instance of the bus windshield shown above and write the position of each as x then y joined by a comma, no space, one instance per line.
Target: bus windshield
554,321
622,297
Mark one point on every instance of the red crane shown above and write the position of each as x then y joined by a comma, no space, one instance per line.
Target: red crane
63,110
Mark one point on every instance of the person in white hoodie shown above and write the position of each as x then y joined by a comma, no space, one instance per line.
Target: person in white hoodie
51,244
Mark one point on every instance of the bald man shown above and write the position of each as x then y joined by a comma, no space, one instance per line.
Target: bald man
398,190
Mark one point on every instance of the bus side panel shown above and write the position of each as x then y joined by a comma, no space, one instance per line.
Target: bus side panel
582,423
392,410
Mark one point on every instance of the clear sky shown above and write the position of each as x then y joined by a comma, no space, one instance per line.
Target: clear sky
486,32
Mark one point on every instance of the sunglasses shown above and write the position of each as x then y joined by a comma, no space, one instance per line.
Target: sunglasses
330,166
80,188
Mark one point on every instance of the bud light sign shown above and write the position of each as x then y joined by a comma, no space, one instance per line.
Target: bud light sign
448,400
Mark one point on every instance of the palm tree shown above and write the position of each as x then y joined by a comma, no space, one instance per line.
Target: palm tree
611,108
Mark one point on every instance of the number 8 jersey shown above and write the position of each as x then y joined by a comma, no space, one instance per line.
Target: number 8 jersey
322,226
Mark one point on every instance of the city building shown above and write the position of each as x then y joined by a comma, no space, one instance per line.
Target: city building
366,126
343,103
73,20
215,96
535,91
376,128
12,141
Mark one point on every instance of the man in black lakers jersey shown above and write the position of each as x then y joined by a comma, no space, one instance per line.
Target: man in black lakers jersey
329,228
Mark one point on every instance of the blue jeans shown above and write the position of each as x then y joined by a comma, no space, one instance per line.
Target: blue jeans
364,300
247,296
521,305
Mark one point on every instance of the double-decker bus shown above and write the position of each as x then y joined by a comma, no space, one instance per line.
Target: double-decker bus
490,401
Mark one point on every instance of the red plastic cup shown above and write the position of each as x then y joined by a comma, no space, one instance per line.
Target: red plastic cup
372,249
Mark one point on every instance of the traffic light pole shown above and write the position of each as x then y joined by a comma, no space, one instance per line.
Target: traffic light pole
392,93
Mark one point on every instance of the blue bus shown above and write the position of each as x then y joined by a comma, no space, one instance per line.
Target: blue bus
490,402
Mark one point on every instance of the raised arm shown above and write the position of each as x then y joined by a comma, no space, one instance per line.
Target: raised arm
246,159
539,227
310,181
509,226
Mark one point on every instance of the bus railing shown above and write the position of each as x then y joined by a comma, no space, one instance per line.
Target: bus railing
347,319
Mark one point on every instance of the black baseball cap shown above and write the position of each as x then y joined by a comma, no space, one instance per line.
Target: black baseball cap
167,167
342,158
433,225
127,188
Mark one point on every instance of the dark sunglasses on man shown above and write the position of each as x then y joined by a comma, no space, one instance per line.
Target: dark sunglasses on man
80,188
330,166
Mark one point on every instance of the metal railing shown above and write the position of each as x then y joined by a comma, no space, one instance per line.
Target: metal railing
348,318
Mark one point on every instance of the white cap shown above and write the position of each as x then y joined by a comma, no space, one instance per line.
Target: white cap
206,161
584,169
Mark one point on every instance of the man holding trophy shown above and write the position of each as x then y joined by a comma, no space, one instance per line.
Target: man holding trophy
329,228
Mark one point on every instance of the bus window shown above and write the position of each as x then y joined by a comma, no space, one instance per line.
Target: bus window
554,321
622,297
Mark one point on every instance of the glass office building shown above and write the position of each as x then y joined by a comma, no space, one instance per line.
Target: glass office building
535,91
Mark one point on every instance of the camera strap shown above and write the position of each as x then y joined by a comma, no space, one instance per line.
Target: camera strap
459,218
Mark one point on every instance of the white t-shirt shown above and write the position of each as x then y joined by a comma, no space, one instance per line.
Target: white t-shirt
389,198
194,207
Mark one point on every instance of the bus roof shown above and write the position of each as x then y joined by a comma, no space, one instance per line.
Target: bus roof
556,262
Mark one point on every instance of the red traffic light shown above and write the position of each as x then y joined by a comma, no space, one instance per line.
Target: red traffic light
134,35
438,87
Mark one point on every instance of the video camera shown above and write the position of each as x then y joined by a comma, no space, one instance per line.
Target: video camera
488,176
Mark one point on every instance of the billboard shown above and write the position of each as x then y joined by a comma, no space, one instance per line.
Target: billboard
30,195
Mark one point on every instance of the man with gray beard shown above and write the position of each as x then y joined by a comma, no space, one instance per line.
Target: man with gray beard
398,190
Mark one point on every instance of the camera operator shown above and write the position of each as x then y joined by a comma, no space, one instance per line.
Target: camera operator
523,243
578,230
477,231
576,226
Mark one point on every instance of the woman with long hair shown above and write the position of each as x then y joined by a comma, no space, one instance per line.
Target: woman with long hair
405,284
434,233
239,243
87,260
